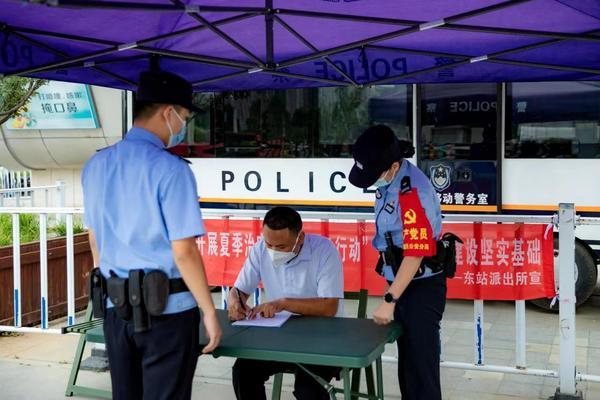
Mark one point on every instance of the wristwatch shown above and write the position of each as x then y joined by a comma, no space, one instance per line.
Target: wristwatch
389,298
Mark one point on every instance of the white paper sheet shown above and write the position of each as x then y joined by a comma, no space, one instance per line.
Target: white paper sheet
276,322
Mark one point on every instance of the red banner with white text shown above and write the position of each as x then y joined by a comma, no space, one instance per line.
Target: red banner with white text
496,261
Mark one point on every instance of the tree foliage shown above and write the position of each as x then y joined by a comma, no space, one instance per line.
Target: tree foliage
15,93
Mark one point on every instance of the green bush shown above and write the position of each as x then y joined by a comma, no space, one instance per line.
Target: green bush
5,230
60,229
30,228
29,224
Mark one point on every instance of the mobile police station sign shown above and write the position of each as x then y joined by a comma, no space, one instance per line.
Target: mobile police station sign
279,181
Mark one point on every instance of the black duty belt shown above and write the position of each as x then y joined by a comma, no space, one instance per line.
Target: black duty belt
138,297
177,285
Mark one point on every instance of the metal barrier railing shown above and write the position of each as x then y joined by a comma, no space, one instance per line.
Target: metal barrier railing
10,179
42,213
20,196
566,220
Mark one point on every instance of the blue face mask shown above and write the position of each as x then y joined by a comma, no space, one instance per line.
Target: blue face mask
177,138
382,182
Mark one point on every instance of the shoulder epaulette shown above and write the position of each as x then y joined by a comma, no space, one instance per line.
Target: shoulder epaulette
405,185
178,156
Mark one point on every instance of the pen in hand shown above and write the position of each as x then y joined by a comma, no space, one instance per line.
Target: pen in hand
241,302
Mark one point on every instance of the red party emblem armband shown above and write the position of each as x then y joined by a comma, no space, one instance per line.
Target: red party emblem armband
417,231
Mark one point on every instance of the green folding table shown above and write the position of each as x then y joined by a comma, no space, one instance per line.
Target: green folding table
347,343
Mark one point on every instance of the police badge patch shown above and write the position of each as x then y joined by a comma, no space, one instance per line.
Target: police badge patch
439,175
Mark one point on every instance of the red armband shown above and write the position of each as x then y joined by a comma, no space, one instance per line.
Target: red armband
417,231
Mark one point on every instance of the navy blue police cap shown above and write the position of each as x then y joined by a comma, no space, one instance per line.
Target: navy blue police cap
374,152
166,88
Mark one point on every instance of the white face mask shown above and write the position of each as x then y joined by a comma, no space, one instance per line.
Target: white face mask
175,139
279,258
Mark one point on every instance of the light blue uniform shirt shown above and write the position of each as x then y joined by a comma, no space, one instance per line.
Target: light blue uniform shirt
138,198
387,211
316,272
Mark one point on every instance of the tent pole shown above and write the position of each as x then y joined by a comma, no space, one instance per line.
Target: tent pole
593,71
219,78
305,77
313,48
195,57
346,47
222,34
269,33
522,32
393,21
151,7
64,55
101,42
567,389
115,47
492,58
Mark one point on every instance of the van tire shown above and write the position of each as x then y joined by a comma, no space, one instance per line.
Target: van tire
586,277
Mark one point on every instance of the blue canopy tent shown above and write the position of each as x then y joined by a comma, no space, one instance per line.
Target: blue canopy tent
255,44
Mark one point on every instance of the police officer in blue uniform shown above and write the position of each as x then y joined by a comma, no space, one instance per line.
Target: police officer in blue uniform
142,211
405,232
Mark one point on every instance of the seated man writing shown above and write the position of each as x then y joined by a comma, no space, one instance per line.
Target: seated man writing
301,273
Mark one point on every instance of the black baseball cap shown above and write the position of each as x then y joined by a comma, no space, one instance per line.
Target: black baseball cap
375,150
166,88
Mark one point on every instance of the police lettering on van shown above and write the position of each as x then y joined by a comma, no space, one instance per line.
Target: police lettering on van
253,181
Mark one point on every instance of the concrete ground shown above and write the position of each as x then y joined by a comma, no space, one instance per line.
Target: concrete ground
37,366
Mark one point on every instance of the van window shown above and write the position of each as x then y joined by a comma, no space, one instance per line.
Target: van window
457,143
553,120
294,123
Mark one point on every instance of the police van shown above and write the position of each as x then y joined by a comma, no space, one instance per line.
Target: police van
515,148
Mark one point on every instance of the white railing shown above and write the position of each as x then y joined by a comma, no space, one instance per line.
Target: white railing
478,305
18,180
14,179
566,220
21,196
43,214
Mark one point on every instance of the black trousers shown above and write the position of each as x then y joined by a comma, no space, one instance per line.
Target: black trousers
420,310
249,377
157,364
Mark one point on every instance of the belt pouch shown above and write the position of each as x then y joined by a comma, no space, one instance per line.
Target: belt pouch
97,293
141,321
116,289
156,292
396,255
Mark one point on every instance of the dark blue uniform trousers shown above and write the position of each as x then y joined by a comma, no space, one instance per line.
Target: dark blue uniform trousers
157,364
249,377
420,310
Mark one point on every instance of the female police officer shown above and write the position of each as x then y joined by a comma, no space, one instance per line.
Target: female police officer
408,222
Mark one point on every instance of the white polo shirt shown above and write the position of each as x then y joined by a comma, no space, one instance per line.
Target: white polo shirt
316,272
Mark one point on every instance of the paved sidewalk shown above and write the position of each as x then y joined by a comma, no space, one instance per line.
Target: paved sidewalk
36,366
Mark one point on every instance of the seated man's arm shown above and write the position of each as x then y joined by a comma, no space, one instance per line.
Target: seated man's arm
237,307
245,284
315,307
